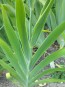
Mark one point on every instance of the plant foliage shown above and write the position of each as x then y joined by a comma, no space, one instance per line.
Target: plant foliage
22,65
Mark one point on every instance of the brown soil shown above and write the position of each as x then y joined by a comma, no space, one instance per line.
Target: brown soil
6,83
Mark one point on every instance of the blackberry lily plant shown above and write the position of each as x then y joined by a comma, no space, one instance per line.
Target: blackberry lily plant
22,65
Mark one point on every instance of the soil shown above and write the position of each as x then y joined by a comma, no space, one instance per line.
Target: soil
6,83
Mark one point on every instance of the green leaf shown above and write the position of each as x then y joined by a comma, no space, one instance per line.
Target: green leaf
38,8
10,32
13,39
47,60
20,19
48,81
1,55
40,23
12,58
60,11
31,3
46,72
11,70
47,43
9,9
53,20
44,7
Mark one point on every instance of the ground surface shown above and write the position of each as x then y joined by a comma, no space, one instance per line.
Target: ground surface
6,83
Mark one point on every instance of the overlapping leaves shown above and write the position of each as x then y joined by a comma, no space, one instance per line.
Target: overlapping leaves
19,51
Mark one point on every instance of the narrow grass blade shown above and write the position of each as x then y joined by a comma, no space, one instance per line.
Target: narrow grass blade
32,2
20,19
44,7
53,20
1,55
13,39
12,58
10,32
46,72
47,43
38,8
40,23
9,9
8,51
47,60
48,81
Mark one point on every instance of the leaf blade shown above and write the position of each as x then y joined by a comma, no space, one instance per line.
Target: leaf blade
40,23
20,20
48,41
47,60
12,58
48,81
46,72
13,39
